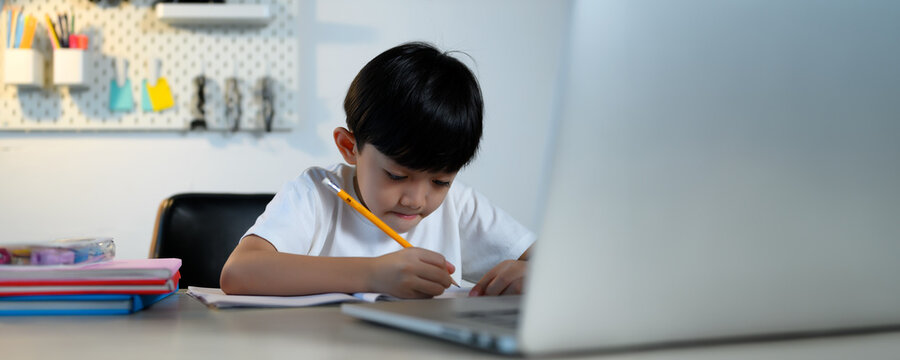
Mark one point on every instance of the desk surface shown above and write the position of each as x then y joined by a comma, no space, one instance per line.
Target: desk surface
185,328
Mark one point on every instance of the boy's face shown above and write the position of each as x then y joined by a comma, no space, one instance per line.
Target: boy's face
399,196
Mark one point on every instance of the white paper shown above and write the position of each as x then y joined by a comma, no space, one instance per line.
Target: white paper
215,297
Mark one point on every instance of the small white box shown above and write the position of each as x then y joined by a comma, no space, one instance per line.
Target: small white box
69,66
24,67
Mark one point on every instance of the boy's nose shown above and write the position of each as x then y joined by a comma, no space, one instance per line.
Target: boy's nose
414,197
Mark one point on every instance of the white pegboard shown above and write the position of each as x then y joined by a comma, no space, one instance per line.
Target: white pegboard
131,30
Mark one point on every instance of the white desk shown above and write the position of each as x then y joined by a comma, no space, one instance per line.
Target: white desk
180,327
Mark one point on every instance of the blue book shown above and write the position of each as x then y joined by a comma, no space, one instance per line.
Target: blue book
89,304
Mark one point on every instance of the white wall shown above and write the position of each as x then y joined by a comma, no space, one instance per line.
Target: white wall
81,184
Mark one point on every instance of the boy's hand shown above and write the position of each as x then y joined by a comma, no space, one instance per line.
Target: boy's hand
507,278
411,273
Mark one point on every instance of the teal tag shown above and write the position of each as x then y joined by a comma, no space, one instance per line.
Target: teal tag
120,97
146,105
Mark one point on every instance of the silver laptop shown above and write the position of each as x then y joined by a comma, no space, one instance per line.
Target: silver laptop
746,200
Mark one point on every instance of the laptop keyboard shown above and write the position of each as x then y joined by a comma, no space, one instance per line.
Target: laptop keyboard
503,318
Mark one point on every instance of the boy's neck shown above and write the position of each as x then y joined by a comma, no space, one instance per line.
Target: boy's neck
358,194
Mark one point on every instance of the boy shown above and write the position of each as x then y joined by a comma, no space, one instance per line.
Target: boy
414,118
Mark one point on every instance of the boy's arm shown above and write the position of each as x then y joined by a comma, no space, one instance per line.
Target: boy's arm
255,267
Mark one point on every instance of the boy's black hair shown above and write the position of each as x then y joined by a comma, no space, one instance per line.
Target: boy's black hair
419,106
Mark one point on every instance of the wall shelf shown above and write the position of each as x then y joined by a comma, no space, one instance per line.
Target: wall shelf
39,100
213,14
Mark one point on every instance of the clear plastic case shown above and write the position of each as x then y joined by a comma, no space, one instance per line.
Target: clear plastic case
59,252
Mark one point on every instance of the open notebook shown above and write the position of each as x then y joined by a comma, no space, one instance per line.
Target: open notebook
216,298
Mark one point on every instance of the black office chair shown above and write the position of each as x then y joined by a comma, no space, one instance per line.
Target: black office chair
202,230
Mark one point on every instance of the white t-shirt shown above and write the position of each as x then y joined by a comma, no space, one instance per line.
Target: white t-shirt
307,218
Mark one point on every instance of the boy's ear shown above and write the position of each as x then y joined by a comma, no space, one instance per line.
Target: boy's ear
346,144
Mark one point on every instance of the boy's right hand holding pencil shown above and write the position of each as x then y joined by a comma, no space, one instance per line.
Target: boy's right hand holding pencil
411,273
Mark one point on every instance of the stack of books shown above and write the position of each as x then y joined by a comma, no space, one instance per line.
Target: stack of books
110,287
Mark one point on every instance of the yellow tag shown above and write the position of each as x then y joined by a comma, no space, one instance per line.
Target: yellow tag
160,95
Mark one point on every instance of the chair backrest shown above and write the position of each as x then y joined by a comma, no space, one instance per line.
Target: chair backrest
202,229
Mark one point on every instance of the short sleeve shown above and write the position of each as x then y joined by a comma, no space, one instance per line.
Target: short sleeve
488,235
289,221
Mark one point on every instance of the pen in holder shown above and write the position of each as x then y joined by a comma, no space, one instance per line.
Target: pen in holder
69,67
23,67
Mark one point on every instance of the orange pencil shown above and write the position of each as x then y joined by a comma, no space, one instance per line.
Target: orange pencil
369,215
28,34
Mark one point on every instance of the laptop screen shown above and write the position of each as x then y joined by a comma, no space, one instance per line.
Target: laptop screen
714,177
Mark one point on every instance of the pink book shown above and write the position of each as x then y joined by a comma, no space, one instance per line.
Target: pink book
109,270
91,286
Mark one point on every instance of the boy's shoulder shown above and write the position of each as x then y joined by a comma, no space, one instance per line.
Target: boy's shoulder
312,176
310,180
307,191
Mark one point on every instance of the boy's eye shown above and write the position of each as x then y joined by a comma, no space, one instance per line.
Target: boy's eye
395,177
441,183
